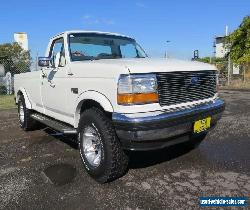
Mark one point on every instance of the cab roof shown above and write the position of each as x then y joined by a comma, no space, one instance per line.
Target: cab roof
93,32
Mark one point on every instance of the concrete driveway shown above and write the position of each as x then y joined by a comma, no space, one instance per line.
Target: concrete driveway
173,178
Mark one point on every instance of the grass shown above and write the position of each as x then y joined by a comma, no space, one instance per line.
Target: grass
7,102
238,85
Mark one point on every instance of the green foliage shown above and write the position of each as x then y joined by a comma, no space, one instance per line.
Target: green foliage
218,60
204,60
239,43
211,60
14,58
3,90
220,63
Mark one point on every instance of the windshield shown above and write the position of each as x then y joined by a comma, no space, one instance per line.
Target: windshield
91,46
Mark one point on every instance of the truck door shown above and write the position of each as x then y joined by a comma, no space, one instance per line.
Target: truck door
53,89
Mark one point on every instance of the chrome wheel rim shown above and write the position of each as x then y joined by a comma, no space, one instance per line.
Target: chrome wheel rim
92,146
21,113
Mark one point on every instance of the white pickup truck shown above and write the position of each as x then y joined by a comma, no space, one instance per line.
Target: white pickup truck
103,88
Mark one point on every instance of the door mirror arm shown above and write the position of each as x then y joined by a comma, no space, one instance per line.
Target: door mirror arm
44,75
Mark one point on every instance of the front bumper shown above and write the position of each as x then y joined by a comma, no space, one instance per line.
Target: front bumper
157,130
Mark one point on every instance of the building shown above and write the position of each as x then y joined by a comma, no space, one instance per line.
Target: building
22,39
220,50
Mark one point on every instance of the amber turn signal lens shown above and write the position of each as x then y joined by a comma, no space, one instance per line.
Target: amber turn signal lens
137,98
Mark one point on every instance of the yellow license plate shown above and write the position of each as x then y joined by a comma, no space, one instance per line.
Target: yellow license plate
202,125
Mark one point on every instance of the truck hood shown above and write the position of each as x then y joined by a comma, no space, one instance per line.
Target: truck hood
147,65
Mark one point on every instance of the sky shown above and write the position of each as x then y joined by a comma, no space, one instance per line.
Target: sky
188,25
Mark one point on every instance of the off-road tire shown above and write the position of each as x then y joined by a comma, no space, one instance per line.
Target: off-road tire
28,123
114,161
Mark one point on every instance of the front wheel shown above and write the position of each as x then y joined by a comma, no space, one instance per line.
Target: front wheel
100,149
24,114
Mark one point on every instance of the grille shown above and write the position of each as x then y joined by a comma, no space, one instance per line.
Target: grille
185,86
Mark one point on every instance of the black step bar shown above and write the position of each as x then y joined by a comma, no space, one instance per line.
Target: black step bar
52,123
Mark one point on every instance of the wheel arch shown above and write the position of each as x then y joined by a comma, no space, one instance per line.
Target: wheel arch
90,99
22,91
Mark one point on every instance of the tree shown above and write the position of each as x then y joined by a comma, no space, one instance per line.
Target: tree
220,63
212,60
204,59
14,58
238,43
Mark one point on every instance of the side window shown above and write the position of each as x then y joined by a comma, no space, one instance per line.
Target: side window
58,47
128,51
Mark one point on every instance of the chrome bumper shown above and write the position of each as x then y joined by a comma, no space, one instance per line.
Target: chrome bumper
153,127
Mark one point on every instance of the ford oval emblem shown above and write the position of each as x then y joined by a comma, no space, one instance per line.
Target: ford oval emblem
194,80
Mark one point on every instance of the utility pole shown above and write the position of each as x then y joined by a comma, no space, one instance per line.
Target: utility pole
36,60
244,72
226,30
229,63
228,70
166,53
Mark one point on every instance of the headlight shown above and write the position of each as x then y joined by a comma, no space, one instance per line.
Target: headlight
137,89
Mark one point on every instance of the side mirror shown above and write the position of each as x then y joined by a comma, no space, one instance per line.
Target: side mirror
44,61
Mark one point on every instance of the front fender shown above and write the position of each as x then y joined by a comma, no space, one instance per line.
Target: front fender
95,96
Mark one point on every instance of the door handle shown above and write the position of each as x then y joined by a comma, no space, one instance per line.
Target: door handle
70,74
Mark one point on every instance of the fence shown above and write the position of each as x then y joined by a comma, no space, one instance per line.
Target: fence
8,69
232,75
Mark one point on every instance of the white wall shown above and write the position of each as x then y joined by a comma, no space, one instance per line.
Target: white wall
220,50
22,39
